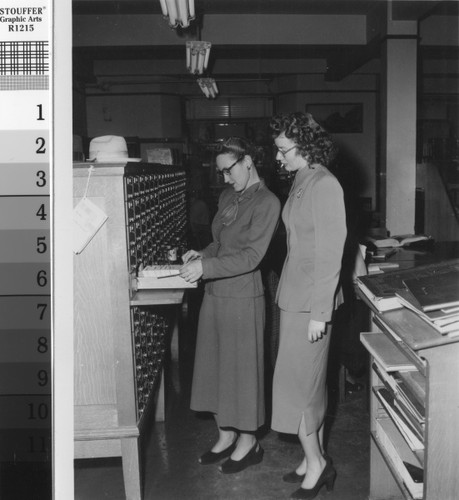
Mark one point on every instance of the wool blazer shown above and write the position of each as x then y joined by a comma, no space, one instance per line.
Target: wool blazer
230,263
315,221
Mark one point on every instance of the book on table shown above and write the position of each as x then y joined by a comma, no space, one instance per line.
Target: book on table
380,289
401,240
382,254
436,291
384,299
382,267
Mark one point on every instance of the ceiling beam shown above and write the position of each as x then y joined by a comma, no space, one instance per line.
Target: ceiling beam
342,63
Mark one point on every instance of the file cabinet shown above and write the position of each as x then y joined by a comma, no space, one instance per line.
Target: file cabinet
121,335
433,361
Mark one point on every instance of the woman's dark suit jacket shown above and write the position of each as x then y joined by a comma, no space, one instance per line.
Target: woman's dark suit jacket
230,263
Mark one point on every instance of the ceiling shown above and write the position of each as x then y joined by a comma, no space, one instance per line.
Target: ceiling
341,59
403,9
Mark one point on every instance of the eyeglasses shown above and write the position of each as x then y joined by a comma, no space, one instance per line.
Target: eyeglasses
283,153
227,170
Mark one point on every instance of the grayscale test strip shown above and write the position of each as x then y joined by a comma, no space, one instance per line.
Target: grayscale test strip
25,250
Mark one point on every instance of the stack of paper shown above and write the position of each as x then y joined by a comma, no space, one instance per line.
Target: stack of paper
162,276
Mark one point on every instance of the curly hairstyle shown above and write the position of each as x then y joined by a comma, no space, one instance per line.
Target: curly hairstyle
238,147
314,143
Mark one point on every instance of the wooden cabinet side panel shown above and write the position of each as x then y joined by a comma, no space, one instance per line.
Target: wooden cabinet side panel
94,373
118,283
442,430
102,297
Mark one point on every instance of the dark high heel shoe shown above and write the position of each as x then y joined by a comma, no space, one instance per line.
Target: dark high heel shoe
210,457
294,477
327,477
352,387
253,457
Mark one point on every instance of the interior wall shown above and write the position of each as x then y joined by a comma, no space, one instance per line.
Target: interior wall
172,120
79,119
357,150
138,115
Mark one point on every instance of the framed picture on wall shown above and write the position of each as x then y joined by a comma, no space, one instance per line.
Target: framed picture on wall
338,118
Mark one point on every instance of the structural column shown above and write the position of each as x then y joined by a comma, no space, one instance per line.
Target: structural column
398,132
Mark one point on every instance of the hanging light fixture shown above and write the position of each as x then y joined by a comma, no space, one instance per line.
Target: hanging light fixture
208,87
179,12
197,56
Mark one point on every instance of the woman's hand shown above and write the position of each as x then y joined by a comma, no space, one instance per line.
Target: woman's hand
316,330
190,255
192,271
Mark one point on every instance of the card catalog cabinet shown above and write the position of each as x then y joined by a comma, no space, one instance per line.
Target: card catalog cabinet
435,365
121,335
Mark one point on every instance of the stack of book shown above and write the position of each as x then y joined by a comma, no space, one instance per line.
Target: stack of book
444,318
384,290
406,416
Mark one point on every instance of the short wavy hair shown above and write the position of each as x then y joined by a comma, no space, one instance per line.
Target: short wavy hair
238,147
313,141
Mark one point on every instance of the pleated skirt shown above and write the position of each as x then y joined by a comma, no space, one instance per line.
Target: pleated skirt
299,383
228,376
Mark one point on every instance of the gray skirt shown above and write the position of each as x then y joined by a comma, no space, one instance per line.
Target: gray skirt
229,362
299,383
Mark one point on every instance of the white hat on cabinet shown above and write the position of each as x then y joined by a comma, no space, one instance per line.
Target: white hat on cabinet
109,149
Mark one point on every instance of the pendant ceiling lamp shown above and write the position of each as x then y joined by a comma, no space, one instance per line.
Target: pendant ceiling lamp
178,12
197,56
208,87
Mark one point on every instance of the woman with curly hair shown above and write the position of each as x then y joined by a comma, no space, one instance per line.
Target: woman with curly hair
228,377
308,293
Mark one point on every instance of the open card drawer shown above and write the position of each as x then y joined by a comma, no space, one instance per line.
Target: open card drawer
162,277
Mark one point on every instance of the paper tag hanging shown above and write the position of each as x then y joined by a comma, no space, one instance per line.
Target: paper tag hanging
88,218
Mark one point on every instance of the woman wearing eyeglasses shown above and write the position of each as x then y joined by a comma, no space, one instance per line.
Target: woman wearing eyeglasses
228,377
307,295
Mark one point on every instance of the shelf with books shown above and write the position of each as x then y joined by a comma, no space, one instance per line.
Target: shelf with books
414,409
402,399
